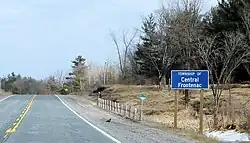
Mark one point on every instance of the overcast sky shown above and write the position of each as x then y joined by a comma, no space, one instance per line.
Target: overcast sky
39,37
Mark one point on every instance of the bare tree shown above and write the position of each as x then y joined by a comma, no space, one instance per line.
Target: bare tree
60,77
123,52
185,26
101,74
93,75
221,62
51,85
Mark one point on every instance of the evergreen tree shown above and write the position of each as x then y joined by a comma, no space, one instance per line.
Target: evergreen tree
148,52
228,16
77,76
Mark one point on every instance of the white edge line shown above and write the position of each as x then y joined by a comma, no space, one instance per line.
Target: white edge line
6,98
95,127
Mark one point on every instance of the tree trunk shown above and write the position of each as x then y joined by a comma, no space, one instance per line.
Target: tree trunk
216,120
160,84
164,80
168,82
160,79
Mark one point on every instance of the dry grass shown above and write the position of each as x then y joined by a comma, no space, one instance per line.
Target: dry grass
189,135
159,105
3,93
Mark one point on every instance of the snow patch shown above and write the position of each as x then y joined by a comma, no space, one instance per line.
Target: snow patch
231,135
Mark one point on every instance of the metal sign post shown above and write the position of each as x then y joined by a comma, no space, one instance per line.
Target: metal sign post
142,97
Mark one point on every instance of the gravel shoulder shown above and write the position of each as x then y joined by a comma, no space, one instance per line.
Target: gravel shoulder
124,130
4,95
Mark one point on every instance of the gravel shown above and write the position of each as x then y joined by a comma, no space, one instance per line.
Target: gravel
122,129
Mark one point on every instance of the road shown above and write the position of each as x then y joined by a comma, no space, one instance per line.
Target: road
70,119
45,119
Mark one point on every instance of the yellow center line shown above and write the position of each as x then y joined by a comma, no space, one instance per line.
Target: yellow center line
20,118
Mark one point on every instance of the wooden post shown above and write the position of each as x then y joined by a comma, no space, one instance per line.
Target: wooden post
233,113
103,104
113,106
100,103
176,109
118,108
110,105
115,109
98,99
230,103
121,109
106,104
112,109
125,111
135,111
129,112
201,111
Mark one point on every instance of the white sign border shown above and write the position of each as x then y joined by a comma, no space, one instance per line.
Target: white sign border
190,88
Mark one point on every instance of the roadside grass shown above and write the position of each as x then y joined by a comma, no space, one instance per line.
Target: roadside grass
191,135
159,107
3,93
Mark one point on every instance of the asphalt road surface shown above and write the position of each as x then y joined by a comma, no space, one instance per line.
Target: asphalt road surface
45,119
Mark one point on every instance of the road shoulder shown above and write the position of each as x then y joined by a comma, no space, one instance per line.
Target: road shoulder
124,130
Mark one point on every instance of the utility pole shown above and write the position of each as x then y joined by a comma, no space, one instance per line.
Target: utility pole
104,75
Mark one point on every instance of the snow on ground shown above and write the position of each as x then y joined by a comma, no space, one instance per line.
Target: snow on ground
231,135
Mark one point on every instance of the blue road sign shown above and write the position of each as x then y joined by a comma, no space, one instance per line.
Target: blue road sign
189,79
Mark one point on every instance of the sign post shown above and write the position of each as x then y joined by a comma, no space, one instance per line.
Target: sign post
201,111
175,109
142,97
66,90
190,80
